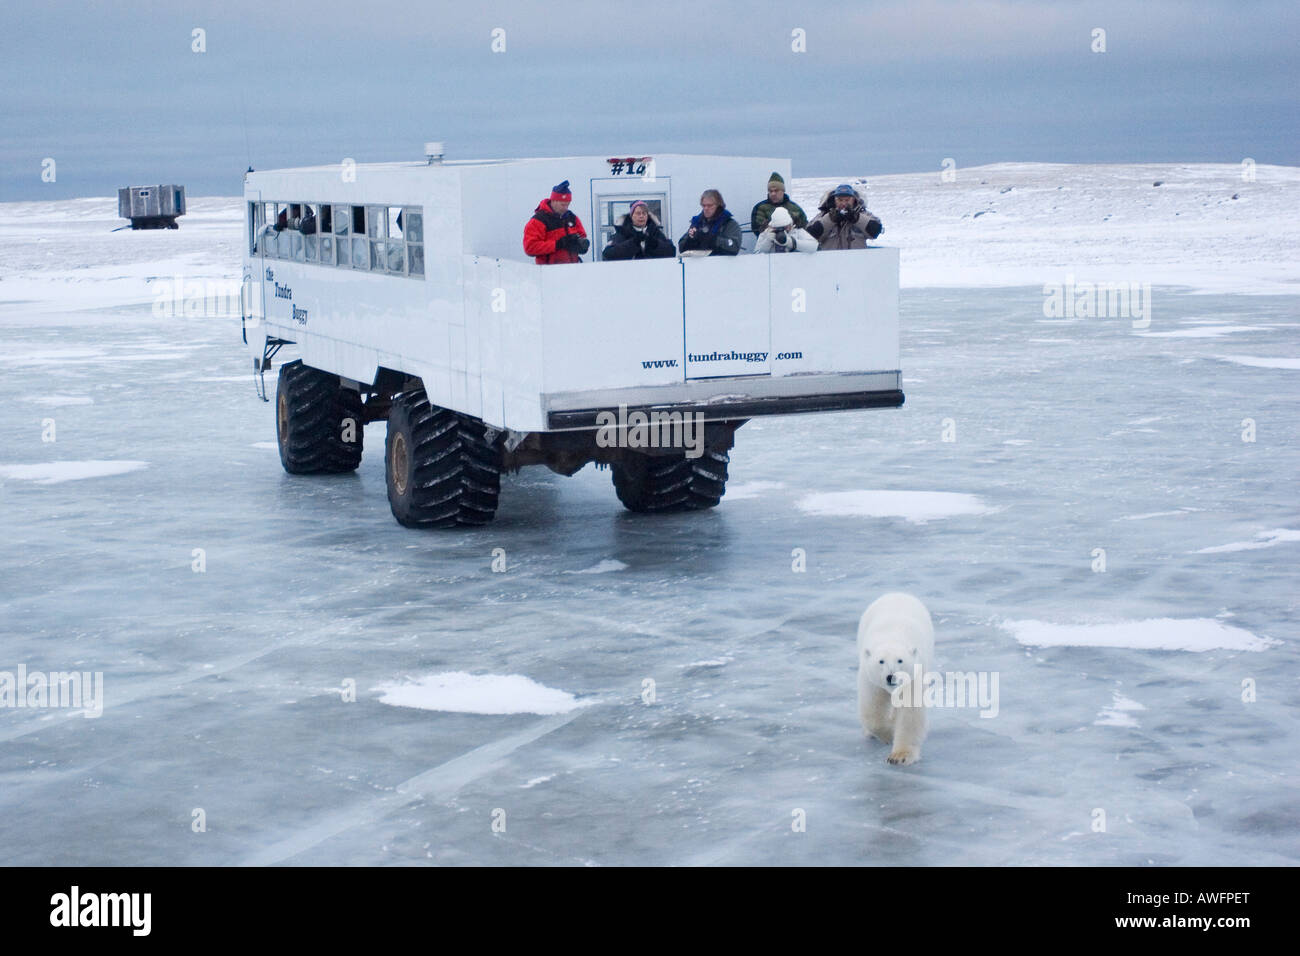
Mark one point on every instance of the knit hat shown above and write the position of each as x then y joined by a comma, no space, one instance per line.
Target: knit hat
776,178
844,189
561,192
781,218
639,202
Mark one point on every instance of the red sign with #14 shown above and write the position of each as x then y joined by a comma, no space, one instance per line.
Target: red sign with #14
629,166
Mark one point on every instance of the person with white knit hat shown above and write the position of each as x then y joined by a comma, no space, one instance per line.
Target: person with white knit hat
782,235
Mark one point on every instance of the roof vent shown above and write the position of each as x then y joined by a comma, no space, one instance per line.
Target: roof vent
433,153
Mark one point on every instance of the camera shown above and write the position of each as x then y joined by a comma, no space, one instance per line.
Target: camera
779,236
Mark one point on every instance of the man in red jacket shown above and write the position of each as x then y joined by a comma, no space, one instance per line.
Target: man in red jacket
554,234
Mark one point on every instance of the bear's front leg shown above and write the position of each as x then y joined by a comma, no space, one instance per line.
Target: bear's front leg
876,711
909,732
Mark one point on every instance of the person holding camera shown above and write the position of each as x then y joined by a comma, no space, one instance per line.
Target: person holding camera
845,222
713,231
782,235
638,235
554,234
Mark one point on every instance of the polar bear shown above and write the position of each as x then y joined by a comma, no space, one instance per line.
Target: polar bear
895,645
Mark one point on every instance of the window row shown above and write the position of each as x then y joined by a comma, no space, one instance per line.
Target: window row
388,239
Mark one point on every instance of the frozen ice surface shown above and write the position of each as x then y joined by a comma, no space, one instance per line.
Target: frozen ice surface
718,683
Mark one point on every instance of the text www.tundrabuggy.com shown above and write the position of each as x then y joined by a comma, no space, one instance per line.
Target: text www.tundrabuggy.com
1202,923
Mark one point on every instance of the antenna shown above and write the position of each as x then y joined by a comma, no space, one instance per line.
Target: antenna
248,150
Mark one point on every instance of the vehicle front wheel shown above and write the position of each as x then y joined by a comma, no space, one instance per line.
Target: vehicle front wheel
319,428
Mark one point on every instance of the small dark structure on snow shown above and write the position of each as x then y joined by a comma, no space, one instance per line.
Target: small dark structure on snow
151,207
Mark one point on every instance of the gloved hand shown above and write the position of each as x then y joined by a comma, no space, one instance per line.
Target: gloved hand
572,243
874,228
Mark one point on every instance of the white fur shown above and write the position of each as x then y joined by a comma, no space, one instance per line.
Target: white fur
895,635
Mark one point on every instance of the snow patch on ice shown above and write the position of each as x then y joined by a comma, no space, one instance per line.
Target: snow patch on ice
1153,634
917,507
1257,362
463,693
1157,514
1117,714
265,444
58,401
609,564
1200,332
535,781
752,489
716,662
54,472
1267,540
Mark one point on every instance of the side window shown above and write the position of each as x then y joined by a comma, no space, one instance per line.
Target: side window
282,237
266,237
271,244
311,222
396,253
255,223
414,224
383,239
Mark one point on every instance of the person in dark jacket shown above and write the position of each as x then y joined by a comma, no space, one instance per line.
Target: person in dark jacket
638,236
776,199
554,234
714,231
845,222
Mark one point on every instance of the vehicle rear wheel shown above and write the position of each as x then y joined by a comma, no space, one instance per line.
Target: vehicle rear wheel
319,428
671,482
442,470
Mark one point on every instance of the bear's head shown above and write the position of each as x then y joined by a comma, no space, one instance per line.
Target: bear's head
887,661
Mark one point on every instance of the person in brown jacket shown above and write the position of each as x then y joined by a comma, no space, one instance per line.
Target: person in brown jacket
845,222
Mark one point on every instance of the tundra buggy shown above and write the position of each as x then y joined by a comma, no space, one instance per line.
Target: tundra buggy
406,292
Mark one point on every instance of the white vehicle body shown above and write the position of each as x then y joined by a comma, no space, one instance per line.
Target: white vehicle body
529,349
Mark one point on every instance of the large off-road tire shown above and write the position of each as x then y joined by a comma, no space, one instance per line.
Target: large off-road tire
671,482
319,427
442,471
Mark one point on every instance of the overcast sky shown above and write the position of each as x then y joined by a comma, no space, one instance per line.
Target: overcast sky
114,93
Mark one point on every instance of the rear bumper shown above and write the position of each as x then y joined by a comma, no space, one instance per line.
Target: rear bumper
726,399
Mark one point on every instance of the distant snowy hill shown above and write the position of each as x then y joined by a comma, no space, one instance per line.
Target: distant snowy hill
1006,224
1030,223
